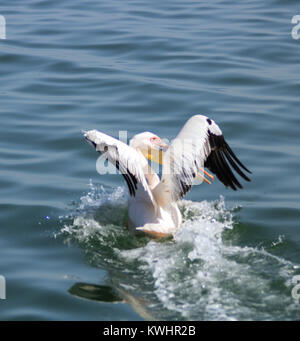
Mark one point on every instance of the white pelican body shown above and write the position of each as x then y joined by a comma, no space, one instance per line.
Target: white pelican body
157,220
153,201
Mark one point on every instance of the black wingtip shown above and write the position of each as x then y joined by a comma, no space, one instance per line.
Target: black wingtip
90,141
235,157
234,166
222,161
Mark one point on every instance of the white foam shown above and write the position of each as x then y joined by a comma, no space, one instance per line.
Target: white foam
98,196
201,276
198,275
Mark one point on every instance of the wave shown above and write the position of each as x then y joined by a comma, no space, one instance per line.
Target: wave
200,274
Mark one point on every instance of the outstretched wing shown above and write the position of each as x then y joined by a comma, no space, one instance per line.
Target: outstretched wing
220,158
122,156
199,144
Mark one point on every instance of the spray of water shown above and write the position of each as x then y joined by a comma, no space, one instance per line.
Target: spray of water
198,275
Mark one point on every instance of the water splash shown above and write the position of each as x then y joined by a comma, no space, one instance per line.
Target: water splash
198,275
96,212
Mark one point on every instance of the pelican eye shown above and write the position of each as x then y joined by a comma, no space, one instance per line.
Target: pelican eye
154,139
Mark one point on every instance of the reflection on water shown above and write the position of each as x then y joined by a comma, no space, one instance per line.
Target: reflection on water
105,293
101,293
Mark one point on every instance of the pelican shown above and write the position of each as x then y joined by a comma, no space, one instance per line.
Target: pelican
153,200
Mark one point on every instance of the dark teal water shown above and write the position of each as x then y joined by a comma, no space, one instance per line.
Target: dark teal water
117,65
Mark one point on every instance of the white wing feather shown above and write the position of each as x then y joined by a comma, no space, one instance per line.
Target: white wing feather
199,144
183,159
125,158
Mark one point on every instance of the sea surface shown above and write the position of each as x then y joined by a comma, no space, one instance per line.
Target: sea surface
69,66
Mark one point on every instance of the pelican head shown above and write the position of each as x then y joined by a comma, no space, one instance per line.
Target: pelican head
150,145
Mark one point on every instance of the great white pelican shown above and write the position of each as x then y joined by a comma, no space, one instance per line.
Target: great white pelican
153,200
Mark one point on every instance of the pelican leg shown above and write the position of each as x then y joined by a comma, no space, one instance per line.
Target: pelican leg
208,174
